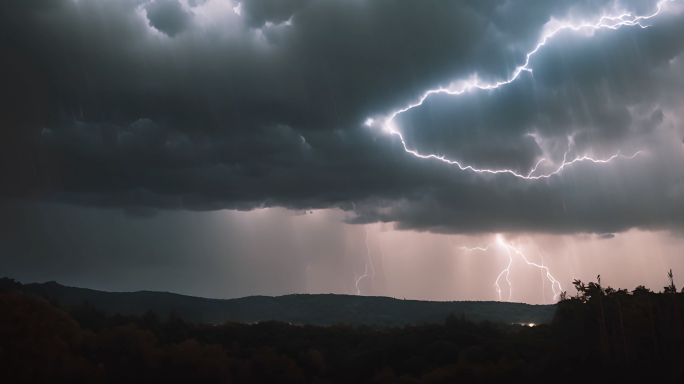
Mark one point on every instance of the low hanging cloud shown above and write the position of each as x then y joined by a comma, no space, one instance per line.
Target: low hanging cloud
166,104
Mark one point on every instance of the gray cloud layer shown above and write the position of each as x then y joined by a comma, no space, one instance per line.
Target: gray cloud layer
188,105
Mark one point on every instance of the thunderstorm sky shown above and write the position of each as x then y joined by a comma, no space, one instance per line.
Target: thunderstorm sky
231,148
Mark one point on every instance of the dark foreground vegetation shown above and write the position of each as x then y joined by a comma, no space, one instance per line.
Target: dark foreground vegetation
599,335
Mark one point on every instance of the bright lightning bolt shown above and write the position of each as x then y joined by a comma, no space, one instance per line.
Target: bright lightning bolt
507,270
477,248
358,278
542,272
366,274
612,22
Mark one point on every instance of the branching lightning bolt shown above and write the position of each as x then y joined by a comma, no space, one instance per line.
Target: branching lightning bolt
507,270
358,278
611,22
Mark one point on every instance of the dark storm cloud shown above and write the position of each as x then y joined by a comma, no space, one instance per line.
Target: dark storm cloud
581,87
140,212
170,105
260,12
337,62
168,16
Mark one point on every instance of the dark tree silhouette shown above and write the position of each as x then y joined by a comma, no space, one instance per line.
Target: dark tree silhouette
599,335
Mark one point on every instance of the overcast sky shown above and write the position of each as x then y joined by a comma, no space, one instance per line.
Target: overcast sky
224,148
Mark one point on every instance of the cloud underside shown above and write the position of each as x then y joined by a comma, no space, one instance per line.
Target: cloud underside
190,105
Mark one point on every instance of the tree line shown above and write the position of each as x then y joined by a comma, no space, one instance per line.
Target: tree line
600,334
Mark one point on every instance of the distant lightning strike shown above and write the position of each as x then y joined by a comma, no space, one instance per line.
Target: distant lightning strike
477,248
507,270
612,22
366,274
358,278
542,276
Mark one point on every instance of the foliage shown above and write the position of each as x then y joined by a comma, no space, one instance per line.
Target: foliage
9,285
671,288
599,335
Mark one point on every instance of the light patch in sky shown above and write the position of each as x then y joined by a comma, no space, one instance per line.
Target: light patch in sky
227,254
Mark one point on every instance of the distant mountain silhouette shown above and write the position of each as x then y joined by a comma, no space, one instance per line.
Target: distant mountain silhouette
322,309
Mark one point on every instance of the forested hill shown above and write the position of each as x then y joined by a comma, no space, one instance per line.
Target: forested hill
325,309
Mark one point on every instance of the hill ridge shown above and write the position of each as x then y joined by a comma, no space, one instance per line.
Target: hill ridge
319,309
